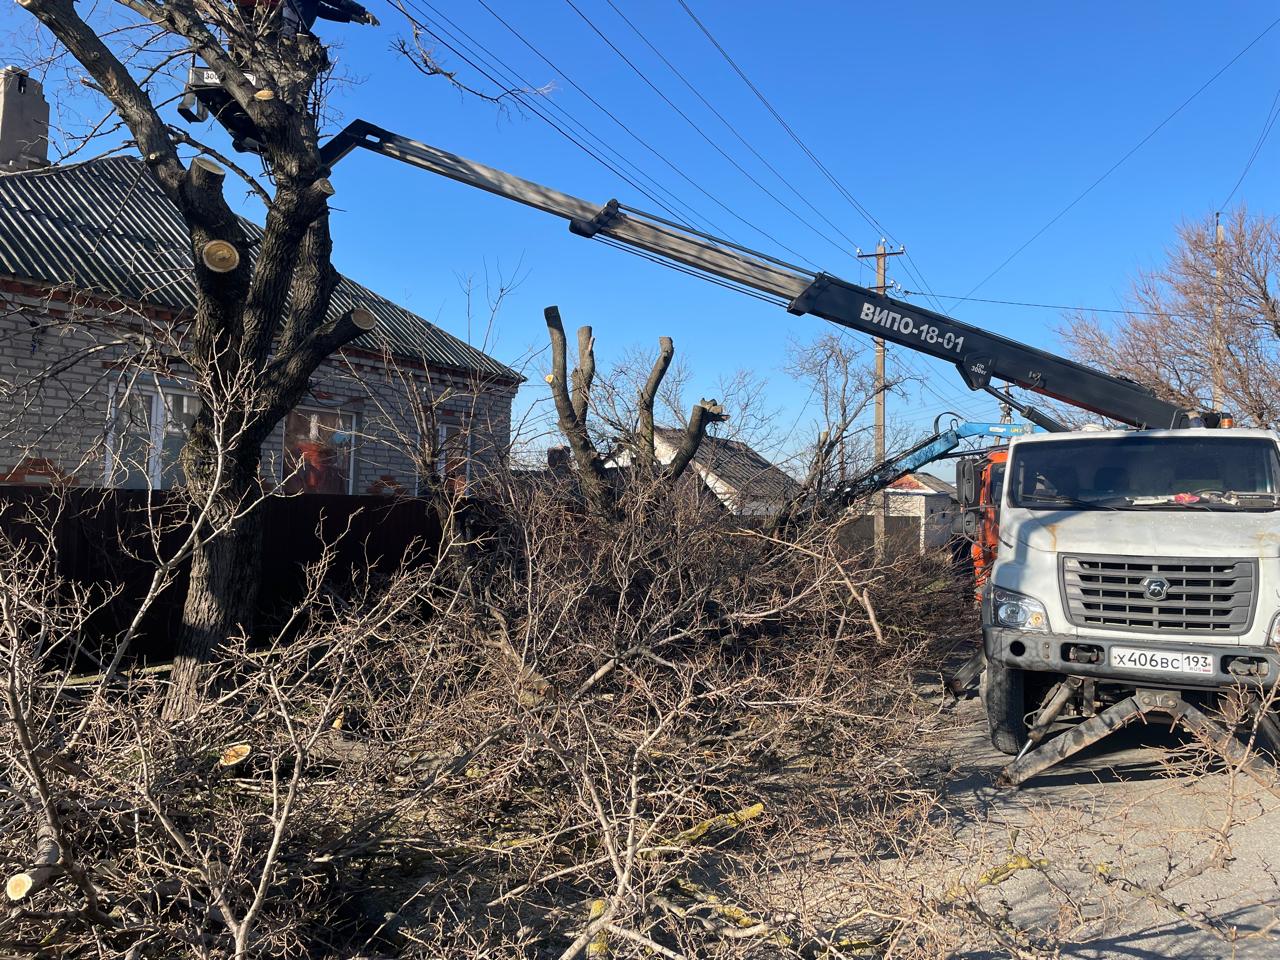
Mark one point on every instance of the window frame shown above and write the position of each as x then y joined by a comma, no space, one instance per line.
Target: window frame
156,393
442,451
342,413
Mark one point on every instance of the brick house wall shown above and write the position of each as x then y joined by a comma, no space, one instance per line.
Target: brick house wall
61,425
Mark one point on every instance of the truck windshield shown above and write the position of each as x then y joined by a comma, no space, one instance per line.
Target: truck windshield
1146,473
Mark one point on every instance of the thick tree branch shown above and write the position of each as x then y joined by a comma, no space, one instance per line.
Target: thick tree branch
585,375
117,85
704,413
648,396
288,222
585,455
312,284
181,136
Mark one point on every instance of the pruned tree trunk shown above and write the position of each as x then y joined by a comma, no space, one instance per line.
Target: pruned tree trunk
572,396
571,410
222,597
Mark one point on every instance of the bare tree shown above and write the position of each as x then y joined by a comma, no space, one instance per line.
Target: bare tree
1204,327
262,321
572,395
842,384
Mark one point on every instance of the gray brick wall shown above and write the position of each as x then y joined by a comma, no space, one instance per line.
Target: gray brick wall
59,371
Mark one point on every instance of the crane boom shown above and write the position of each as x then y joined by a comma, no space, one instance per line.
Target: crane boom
932,448
980,356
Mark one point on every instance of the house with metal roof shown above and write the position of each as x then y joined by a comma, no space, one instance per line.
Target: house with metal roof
743,480
93,255
921,510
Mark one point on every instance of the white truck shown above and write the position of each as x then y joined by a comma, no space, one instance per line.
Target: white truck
1136,564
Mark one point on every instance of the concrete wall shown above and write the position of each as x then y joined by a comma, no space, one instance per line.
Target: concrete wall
917,519
61,365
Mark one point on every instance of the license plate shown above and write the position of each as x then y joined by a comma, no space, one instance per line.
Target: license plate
1166,661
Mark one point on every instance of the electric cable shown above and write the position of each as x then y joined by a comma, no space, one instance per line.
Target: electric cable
1132,150
863,211
913,270
1080,309
630,132
1273,113
734,130
514,81
691,271
702,133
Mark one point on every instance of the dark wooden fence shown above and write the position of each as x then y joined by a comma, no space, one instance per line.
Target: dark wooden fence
104,540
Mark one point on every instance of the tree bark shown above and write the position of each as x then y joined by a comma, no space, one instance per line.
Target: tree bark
704,413
221,599
572,425
222,593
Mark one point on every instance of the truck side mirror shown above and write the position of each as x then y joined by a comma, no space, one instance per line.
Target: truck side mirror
965,524
967,482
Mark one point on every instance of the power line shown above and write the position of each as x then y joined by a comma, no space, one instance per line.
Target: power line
661,156
863,211
1074,308
1132,150
690,271
605,110
734,130
535,105
1273,113
912,268
702,133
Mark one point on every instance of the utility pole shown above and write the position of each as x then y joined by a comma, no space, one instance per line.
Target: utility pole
881,515
1215,354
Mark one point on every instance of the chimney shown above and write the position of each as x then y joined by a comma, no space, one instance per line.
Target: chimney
24,122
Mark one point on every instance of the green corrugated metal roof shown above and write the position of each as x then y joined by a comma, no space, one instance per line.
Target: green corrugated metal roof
105,226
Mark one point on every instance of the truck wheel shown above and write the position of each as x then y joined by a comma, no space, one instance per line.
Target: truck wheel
1003,694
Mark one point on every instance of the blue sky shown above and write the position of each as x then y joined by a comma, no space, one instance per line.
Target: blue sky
963,128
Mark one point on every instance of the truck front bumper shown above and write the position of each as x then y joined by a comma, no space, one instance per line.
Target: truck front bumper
1050,653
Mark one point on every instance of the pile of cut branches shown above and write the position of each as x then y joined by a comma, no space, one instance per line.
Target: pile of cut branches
568,735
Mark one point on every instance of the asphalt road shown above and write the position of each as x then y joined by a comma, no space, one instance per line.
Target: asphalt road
1146,848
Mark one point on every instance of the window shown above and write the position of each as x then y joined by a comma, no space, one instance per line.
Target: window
149,427
319,452
1140,472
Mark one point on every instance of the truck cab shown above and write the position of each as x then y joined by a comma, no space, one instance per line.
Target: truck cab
1133,559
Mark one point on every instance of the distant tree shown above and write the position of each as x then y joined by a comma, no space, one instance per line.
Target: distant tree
1170,340
842,385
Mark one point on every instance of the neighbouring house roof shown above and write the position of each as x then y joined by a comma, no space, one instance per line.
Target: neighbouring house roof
922,483
105,226
751,476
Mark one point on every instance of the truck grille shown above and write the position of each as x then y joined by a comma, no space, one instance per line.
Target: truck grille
1202,596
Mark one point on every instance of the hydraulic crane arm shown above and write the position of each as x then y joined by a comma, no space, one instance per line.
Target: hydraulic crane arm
980,356
926,451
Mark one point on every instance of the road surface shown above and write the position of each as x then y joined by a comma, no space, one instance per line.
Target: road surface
1145,848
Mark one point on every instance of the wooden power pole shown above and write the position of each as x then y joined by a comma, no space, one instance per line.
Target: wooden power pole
881,515
1215,357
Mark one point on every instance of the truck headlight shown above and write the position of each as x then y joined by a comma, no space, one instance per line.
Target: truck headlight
1017,610
1273,632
